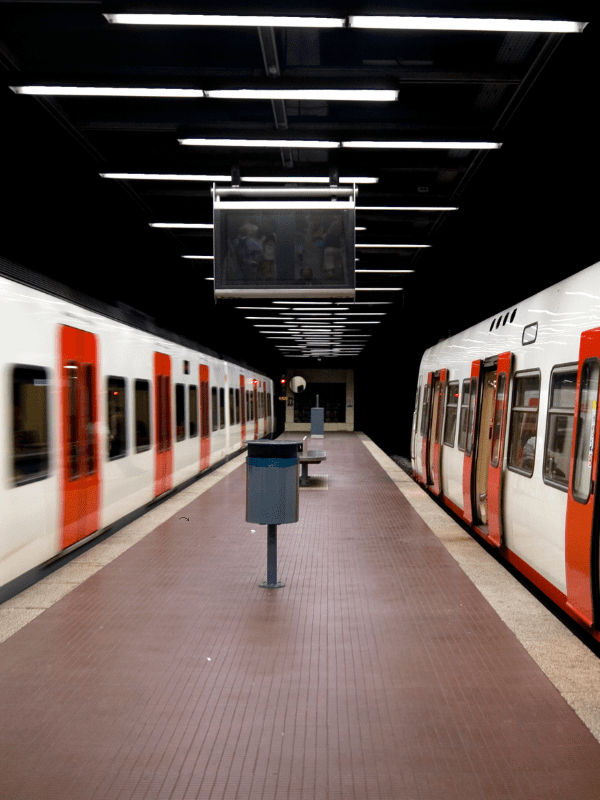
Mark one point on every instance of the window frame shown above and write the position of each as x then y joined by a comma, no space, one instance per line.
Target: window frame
523,409
559,411
137,417
46,468
448,406
125,451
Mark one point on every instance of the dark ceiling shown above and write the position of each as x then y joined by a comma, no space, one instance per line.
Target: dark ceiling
526,211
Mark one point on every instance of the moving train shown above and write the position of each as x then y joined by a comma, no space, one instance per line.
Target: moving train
102,413
505,433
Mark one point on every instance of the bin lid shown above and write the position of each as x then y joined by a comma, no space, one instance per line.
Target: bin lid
273,449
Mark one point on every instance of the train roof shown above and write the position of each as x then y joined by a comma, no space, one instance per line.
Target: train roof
121,312
572,305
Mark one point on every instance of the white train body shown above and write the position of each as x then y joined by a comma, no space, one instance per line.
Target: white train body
528,484
43,439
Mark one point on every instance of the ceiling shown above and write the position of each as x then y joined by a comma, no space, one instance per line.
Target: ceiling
519,222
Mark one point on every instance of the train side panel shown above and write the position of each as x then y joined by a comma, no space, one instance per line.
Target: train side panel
47,438
543,333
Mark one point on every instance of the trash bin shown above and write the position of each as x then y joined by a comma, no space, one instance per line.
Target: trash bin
272,491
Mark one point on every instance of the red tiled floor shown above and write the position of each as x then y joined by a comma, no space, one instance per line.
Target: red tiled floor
378,671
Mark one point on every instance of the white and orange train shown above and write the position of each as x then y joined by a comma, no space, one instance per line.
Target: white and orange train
506,434
103,414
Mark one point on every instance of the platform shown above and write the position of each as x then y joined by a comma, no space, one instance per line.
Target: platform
378,671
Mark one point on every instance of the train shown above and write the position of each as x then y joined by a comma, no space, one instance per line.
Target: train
103,414
505,434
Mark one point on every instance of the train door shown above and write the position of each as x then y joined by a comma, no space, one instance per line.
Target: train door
582,528
468,461
163,474
426,427
243,407
494,480
483,445
80,483
434,466
204,376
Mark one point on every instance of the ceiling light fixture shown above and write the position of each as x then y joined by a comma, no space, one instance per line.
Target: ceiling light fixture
284,205
203,225
108,91
227,20
416,145
466,24
301,143
387,246
406,208
396,271
350,95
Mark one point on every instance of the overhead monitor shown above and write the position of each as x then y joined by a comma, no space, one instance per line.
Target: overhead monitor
284,243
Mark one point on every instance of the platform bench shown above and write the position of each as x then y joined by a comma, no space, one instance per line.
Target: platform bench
310,457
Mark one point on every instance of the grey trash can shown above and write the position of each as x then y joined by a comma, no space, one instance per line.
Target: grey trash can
272,492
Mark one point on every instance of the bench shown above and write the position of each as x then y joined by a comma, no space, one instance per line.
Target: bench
310,457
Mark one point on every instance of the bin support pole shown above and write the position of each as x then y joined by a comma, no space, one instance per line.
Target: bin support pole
272,582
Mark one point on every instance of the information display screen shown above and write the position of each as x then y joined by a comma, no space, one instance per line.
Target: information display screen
284,253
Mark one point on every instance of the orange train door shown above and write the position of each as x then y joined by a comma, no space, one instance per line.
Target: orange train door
163,475
243,407
581,543
469,459
204,377
80,482
494,480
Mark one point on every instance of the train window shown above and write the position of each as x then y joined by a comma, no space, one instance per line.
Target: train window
559,426
115,398
237,406
586,427
231,408
193,403
179,412
425,409
512,316
221,408
451,413
215,409
498,414
30,424
471,416
524,422
464,414
142,416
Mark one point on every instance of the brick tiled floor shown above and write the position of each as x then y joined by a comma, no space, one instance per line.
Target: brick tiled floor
378,671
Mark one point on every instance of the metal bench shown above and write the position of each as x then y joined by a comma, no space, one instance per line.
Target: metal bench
310,457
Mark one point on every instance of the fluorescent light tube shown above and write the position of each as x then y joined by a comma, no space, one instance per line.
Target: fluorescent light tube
386,246
385,270
303,179
105,91
406,208
153,176
149,176
352,95
467,24
378,289
259,143
417,145
284,205
207,258
228,20
205,225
